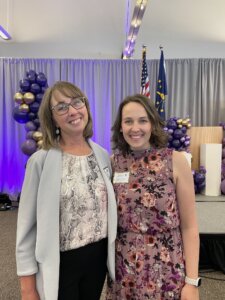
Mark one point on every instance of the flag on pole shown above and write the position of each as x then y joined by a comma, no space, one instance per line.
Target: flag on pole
161,90
145,89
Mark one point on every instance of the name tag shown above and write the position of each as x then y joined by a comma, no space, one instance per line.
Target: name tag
121,177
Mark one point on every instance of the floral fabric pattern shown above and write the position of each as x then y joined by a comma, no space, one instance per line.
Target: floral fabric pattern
83,202
149,250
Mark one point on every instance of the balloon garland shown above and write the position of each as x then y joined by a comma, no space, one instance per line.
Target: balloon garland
180,141
32,89
177,131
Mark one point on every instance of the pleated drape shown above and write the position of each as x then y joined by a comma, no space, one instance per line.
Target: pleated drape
196,89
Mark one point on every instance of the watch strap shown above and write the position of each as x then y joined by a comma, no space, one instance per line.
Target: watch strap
196,282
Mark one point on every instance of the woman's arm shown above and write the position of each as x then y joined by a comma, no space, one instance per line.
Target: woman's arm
28,288
27,265
189,228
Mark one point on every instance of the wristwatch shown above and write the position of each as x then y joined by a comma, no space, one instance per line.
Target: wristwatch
191,281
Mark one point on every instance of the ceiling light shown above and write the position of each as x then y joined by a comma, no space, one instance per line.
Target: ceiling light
135,24
4,34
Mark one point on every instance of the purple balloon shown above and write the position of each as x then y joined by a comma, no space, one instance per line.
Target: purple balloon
25,85
186,143
201,186
184,129
199,178
44,88
223,186
170,131
31,78
39,97
170,138
176,144
171,124
178,133
41,73
41,79
36,122
29,147
223,172
29,135
34,107
30,126
35,88
32,116
31,72
202,169
19,116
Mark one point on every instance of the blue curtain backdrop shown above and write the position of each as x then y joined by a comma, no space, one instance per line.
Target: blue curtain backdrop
196,88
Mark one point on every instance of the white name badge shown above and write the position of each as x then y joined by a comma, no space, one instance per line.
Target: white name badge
121,177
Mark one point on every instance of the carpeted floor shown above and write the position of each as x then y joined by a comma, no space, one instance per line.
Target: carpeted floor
213,283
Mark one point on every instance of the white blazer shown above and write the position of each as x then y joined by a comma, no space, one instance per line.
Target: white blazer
37,244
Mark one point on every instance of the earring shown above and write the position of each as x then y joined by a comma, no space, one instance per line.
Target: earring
57,131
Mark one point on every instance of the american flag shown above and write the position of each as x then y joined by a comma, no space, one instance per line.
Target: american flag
145,89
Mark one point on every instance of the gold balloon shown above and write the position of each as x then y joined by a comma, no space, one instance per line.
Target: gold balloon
37,136
187,120
179,126
18,97
24,108
189,125
179,121
28,98
39,143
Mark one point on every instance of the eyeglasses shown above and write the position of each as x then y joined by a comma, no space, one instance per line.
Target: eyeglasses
63,108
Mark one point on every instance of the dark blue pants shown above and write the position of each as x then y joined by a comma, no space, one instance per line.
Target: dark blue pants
82,272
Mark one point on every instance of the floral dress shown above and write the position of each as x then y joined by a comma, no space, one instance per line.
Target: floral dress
149,249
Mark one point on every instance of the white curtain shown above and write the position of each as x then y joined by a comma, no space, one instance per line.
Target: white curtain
196,89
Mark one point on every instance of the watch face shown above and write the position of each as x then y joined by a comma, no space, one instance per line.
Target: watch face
199,281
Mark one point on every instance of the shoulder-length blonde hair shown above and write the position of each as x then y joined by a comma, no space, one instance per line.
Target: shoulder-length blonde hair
159,137
47,122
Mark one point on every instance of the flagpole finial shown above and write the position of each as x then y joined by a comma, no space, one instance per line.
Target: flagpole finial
160,47
144,49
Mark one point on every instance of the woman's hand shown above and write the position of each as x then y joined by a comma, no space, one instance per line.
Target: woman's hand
189,292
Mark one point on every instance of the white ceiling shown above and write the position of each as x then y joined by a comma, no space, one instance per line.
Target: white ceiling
97,28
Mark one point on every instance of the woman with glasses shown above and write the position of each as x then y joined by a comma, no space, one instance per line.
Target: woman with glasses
67,216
